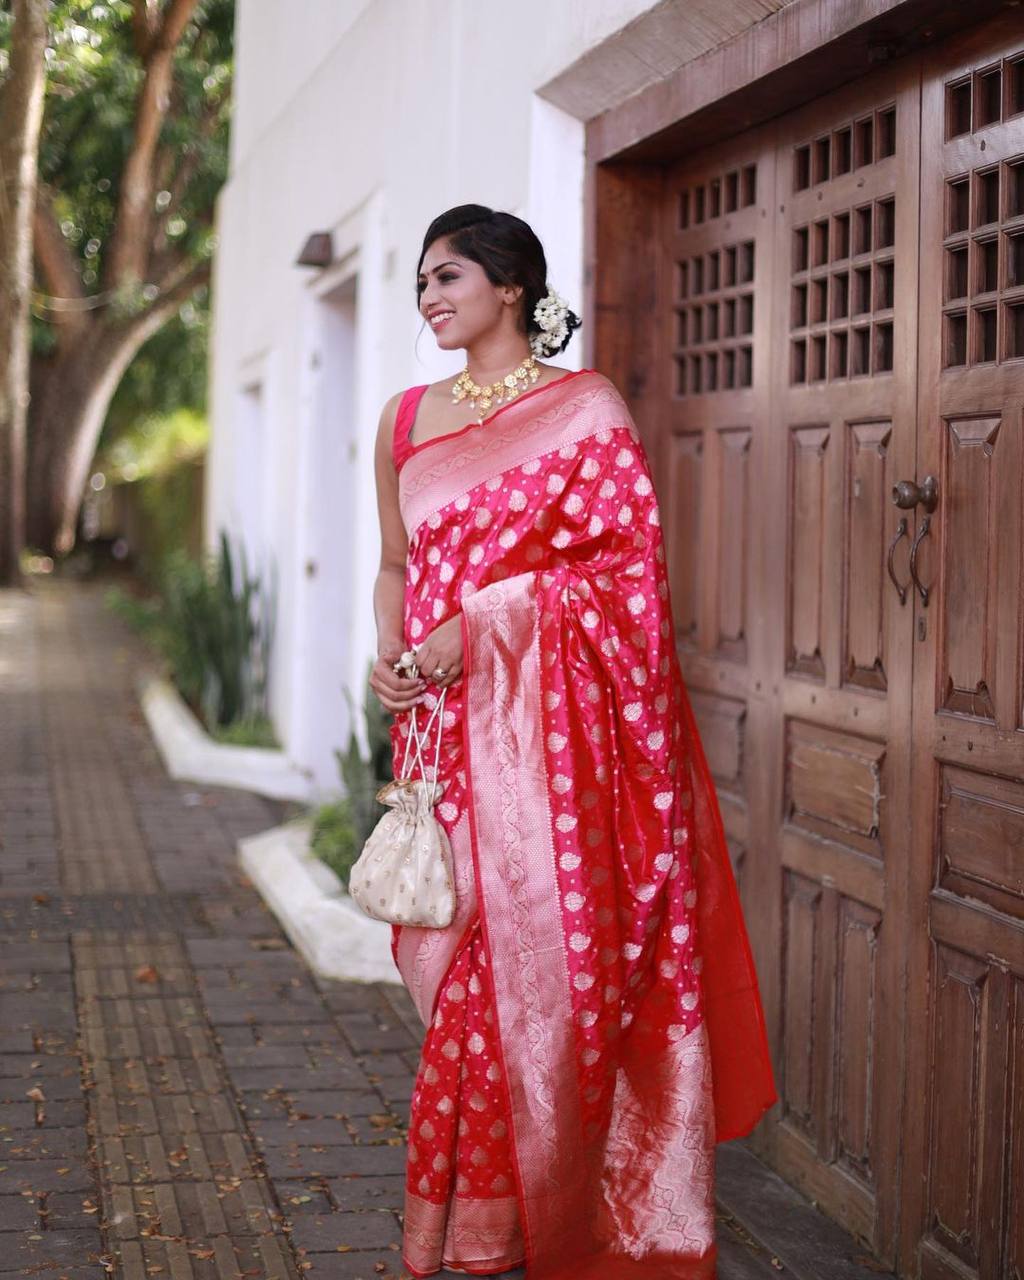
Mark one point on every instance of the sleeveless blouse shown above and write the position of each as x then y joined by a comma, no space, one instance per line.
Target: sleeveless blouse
401,446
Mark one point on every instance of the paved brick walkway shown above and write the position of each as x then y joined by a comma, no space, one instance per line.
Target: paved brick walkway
179,1096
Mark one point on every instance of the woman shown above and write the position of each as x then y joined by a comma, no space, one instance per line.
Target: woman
593,1021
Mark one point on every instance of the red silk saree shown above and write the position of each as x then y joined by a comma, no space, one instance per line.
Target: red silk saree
593,1019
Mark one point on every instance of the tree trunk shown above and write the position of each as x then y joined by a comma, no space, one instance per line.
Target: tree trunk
21,113
72,391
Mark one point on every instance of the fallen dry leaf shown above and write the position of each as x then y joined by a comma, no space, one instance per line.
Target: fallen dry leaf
147,973
36,1094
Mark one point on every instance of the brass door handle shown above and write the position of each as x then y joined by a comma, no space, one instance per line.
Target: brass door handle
901,532
922,533
907,495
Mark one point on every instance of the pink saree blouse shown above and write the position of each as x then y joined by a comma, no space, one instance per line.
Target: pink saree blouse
592,1013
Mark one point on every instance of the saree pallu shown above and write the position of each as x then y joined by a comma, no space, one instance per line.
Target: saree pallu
593,1019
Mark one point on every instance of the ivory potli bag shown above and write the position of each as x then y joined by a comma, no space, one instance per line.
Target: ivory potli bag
404,874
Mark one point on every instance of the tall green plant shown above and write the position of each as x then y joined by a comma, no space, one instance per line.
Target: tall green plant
340,829
216,631
363,776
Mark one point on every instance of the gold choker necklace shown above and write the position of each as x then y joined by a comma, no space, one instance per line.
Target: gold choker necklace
504,389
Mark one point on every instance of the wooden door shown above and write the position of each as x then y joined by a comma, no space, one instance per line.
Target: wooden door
714,448
964,1133
838,303
789,268
843,421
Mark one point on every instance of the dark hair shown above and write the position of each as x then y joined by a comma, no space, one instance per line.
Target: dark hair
508,250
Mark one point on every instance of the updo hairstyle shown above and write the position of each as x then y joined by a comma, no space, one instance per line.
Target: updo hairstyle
508,250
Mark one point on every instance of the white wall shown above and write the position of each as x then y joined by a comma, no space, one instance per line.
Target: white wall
281,49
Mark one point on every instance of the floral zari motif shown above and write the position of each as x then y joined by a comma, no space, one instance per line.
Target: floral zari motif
593,1022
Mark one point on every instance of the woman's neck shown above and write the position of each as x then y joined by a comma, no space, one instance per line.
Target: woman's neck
490,361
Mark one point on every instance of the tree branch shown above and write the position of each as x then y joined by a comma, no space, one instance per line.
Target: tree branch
57,263
174,264
187,168
129,247
164,307
143,26
168,262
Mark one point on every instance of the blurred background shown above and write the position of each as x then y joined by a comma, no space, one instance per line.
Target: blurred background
795,231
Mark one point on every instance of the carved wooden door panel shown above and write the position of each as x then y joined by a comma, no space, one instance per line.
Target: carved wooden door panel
964,1137
789,278
716,286
843,425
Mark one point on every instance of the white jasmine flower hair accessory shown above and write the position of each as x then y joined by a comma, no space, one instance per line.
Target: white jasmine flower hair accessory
552,315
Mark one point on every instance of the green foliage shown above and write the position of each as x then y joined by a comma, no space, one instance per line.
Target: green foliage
94,72
334,839
168,375
340,829
93,77
158,462
171,503
154,444
363,776
142,614
254,731
212,622
218,635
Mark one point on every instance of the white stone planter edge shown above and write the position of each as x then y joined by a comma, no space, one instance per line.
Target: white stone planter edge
191,755
335,938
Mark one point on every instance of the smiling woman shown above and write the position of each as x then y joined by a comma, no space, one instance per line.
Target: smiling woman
593,1019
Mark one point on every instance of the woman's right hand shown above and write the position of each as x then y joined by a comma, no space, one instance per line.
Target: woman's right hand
397,693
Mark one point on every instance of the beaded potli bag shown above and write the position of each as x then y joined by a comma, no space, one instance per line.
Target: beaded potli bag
404,874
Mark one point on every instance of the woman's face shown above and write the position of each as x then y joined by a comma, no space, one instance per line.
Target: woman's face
457,300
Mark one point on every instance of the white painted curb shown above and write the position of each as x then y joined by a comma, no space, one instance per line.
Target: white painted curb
333,935
191,755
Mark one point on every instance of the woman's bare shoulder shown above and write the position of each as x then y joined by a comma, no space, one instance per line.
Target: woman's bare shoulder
389,413
441,389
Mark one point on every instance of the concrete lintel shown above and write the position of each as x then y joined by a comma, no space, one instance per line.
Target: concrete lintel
649,49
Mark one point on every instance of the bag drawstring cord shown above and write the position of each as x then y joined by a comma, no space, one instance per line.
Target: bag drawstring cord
416,737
